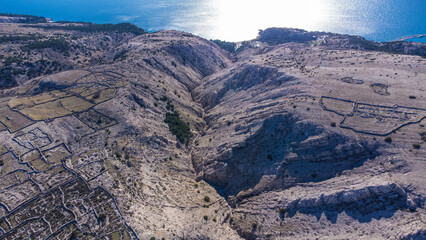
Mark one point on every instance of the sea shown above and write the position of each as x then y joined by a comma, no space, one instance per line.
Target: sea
238,20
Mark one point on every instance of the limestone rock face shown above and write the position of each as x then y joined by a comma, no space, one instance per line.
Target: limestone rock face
284,151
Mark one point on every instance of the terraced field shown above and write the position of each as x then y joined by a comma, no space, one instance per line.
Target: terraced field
42,194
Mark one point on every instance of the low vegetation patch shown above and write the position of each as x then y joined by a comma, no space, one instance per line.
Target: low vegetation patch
254,225
14,39
388,139
9,60
59,45
228,46
423,136
178,127
26,18
92,28
120,56
416,146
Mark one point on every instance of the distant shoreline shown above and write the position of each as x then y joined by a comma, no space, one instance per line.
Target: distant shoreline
421,38
410,37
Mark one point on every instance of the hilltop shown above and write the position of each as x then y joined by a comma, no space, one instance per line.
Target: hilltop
111,132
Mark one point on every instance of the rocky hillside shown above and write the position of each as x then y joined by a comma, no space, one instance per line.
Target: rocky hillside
35,49
166,135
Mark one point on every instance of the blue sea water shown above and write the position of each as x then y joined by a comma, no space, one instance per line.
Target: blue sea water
237,20
422,39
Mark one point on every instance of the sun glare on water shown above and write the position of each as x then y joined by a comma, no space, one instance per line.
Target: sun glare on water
238,20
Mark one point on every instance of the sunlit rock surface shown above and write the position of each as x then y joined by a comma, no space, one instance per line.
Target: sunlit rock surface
295,135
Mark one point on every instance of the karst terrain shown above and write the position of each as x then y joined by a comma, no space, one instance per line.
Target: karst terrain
111,132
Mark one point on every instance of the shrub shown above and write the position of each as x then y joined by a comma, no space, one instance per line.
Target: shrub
423,136
228,46
96,95
178,127
207,199
120,56
101,217
416,146
269,156
283,35
282,210
164,98
412,97
333,124
73,236
152,238
170,106
388,139
205,217
254,225
9,60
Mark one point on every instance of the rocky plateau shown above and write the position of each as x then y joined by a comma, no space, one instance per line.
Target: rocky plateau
110,132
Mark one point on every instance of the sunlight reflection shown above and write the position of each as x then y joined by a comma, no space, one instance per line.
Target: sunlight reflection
238,20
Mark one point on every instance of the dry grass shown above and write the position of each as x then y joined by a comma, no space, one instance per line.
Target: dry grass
10,164
39,165
58,108
42,98
338,106
91,90
29,156
75,104
115,235
54,156
59,94
46,110
13,120
2,127
78,90
20,103
68,77
101,96
3,149
87,79
27,102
